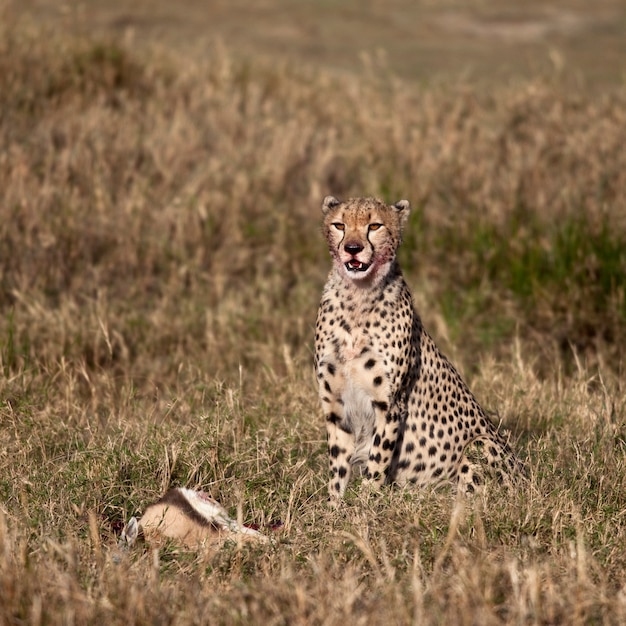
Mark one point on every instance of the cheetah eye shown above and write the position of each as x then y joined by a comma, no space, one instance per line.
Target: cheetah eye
339,226
374,226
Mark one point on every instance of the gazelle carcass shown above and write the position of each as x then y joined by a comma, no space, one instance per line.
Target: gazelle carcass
191,518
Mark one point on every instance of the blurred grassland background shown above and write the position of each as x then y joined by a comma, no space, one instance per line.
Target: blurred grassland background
161,173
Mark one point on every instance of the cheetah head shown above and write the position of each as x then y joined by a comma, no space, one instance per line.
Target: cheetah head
363,235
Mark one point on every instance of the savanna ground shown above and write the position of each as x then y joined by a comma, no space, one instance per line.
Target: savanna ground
160,268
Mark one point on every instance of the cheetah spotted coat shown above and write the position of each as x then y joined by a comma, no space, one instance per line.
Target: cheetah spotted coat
394,405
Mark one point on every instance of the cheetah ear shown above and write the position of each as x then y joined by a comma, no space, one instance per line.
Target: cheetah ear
403,208
330,202
402,205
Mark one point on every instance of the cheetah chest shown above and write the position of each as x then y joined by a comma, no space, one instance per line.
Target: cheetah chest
359,384
352,345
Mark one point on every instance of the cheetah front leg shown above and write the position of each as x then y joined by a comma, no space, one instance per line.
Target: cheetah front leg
340,435
384,442
341,444
383,432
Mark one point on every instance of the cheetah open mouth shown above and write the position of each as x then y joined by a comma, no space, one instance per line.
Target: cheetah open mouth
356,266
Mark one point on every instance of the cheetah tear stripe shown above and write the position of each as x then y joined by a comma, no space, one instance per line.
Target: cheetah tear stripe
394,406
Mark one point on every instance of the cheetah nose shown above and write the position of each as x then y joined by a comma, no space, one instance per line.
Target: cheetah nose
353,248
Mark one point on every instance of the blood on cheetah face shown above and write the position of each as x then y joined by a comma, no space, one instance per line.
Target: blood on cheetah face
363,236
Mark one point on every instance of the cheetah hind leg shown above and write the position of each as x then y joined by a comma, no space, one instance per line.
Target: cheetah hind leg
501,460
469,479
501,463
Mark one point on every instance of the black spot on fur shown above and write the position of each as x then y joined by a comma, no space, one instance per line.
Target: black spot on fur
333,418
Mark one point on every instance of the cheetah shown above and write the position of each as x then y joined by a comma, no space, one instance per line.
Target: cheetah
395,407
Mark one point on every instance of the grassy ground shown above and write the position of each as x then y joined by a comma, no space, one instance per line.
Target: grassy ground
160,267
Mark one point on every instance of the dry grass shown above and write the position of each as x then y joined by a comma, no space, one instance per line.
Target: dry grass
485,40
160,267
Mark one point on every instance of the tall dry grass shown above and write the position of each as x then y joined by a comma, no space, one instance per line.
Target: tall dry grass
160,267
